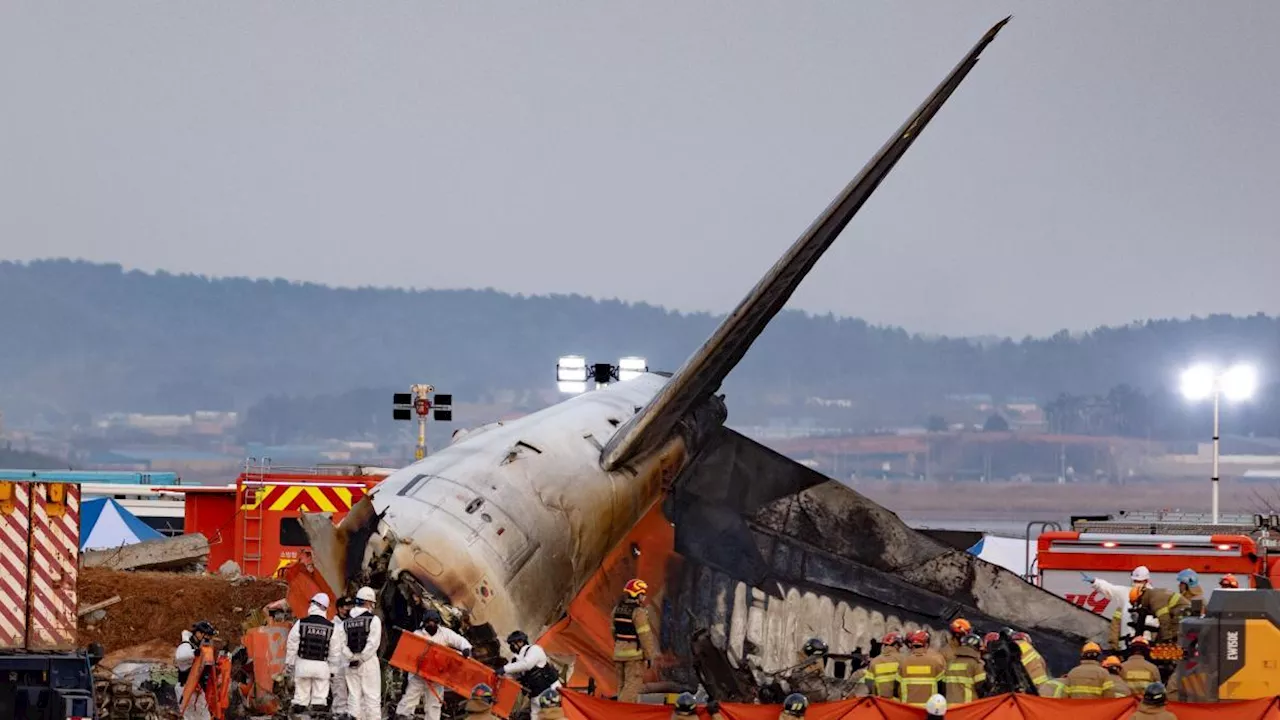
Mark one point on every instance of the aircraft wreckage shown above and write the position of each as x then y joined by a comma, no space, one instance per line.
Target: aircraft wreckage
535,524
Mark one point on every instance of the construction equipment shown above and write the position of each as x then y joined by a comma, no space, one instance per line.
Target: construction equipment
45,676
1233,652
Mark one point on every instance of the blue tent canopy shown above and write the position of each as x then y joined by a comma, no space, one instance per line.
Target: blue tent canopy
105,524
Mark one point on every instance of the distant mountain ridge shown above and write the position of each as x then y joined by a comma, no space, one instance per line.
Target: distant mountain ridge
84,336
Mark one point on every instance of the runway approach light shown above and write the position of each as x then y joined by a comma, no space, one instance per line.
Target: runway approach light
574,373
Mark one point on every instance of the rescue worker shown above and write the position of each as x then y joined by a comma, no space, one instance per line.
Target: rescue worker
480,705
794,707
882,674
1189,587
547,704
1152,705
532,670
1088,681
1138,671
1119,688
1166,606
920,671
1229,581
362,631
1118,598
809,678
337,674
634,646
937,706
184,658
687,707
966,677
1034,663
955,633
417,689
1053,688
310,650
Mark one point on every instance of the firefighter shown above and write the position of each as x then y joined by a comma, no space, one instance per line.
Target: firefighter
810,677
337,677
417,689
1138,671
1229,581
184,657
1166,606
794,707
1053,688
882,675
1117,597
532,670
1189,587
1036,668
634,646
1152,706
362,631
955,633
920,671
1119,688
310,650
965,677
687,707
480,705
1088,681
936,707
547,704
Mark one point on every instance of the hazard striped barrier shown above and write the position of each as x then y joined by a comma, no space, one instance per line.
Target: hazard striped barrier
55,559
303,498
15,510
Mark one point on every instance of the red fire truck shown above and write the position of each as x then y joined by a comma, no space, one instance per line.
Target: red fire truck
255,521
1109,548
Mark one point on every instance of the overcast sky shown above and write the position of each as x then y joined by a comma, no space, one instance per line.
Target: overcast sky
1104,162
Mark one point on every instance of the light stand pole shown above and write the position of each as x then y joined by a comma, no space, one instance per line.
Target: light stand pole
1204,381
1217,399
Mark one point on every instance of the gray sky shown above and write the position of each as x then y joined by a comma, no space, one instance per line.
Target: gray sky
1104,162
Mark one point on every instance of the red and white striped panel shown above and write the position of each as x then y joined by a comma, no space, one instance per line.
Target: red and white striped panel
15,524
55,558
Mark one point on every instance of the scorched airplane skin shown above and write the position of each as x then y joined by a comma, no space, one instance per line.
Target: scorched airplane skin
511,522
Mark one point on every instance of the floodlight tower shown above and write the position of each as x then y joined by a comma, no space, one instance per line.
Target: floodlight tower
573,372
416,401
1237,383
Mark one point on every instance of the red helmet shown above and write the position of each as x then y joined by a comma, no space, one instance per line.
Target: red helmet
989,638
635,588
1229,581
918,639
1020,637
892,639
1140,640
961,627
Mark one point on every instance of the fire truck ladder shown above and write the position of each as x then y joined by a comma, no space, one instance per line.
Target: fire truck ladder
255,473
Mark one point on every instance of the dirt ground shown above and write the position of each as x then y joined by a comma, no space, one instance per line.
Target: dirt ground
157,606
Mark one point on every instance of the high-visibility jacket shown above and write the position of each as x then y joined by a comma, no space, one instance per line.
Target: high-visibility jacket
1139,673
1168,608
1119,688
1088,681
882,673
965,675
1034,664
1053,688
632,636
919,676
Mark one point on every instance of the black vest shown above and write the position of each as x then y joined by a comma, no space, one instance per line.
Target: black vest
357,631
313,638
624,627
537,680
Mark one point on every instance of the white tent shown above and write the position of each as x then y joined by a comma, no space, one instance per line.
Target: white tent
1009,553
104,524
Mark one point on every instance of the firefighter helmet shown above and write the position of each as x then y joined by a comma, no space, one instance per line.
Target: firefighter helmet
204,626
989,638
1141,640
936,706
517,636
1111,661
482,693
686,703
1020,637
635,588
549,698
891,639
815,646
795,705
1090,650
1140,574
1155,694
971,641
961,627
1189,578
1229,581
918,639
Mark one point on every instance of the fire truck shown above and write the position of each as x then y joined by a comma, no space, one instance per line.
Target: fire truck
1110,547
255,520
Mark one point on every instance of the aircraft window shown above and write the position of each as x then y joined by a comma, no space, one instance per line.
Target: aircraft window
474,505
292,534
409,486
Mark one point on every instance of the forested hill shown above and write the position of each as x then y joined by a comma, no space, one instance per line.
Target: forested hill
83,336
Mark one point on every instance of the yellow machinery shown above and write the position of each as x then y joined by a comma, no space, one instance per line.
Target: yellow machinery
1233,652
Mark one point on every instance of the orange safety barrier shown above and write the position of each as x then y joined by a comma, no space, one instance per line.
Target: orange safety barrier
444,666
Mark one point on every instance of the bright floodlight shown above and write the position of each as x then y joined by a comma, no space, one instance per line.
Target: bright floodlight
631,367
1239,382
1198,382
572,388
571,374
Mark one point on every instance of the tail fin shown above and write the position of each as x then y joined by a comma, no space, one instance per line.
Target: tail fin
702,374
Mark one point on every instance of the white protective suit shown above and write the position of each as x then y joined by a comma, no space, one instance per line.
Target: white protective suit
337,671
364,682
529,657
416,687
1119,595
310,677
184,658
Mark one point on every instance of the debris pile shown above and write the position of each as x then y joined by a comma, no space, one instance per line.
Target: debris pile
158,606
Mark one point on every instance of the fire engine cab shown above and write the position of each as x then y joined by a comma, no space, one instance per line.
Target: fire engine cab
1110,548
255,521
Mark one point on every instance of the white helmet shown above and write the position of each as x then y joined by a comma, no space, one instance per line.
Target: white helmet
320,600
365,594
936,706
1140,574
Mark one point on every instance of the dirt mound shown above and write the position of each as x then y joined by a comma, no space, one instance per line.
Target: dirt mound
158,606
